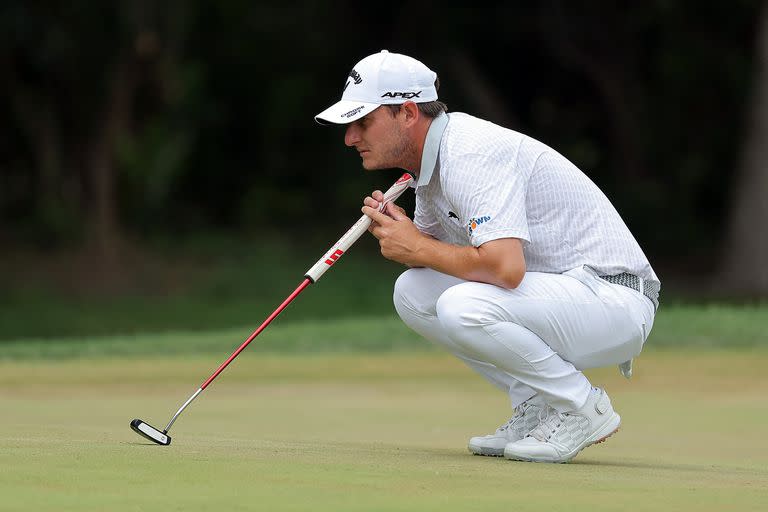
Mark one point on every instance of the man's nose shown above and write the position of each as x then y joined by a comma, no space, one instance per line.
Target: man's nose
352,135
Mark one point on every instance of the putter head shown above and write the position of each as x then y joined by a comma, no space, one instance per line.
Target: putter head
148,431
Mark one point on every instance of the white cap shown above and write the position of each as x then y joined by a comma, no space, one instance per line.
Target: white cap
381,79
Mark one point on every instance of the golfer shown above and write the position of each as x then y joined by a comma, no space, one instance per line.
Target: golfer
519,264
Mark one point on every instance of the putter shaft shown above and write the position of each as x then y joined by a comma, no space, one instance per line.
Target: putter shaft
311,276
253,335
189,401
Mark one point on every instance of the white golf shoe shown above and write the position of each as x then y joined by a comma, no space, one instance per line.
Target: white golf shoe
561,436
525,418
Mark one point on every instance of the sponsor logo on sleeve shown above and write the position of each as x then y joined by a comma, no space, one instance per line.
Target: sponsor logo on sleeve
476,221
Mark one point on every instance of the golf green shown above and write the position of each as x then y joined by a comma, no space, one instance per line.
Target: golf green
369,432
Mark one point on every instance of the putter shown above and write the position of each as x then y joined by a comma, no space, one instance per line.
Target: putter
161,437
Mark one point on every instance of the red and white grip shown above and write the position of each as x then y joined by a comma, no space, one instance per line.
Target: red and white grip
355,232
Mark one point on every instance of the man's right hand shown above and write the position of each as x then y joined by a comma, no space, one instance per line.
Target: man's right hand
375,199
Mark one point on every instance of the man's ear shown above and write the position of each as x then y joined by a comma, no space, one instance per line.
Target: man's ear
411,112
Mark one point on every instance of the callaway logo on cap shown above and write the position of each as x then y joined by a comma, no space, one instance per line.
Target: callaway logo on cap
381,79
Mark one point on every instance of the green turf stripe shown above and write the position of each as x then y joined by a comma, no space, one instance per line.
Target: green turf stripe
676,326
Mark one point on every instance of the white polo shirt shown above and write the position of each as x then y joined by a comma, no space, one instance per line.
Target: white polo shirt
480,182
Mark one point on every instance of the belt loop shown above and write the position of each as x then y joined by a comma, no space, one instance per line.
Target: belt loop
641,284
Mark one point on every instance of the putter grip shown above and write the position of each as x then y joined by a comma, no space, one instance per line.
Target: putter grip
355,232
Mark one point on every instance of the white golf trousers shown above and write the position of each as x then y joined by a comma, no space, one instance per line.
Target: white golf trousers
534,339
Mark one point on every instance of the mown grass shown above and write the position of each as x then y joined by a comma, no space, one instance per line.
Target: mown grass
360,432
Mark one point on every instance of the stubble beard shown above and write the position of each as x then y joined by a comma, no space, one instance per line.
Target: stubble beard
401,154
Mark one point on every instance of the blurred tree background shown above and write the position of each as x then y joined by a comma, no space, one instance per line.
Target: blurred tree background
127,127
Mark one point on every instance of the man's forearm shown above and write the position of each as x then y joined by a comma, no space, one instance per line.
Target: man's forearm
482,264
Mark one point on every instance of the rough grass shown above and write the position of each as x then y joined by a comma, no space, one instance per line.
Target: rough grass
369,432
235,286
675,326
228,287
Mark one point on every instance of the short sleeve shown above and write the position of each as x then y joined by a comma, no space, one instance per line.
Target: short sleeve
490,196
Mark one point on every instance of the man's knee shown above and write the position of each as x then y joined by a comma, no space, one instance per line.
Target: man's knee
406,294
461,308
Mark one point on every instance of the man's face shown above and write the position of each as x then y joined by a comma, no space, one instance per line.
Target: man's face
380,139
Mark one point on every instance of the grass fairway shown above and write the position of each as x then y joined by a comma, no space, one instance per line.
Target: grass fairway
369,432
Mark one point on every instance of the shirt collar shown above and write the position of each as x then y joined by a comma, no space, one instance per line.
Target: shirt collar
431,149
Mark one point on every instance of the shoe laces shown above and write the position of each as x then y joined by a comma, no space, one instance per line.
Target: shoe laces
517,417
548,425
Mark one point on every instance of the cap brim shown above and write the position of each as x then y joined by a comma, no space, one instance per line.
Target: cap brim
345,111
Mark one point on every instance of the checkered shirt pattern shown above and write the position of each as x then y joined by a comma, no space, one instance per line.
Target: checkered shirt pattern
490,182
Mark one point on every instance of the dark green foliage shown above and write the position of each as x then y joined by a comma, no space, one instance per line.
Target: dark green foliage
648,98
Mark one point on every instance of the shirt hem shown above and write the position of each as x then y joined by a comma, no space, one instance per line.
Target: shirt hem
479,240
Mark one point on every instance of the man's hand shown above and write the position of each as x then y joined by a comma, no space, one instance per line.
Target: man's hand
500,262
375,199
399,238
